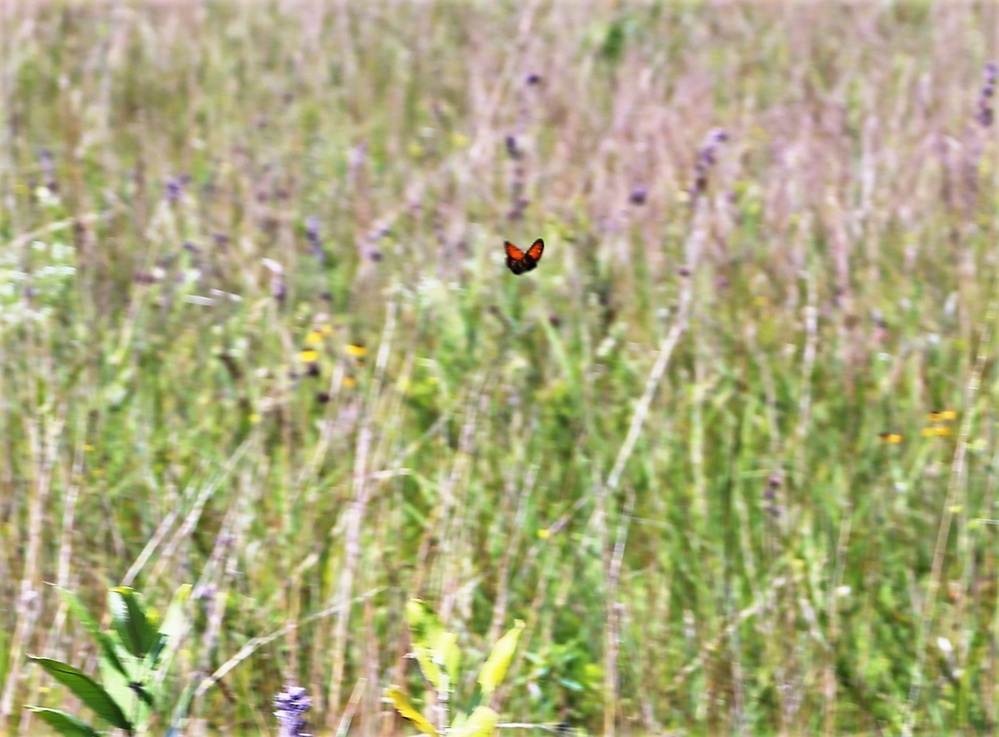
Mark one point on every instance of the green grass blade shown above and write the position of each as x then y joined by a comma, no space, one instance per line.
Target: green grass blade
87,690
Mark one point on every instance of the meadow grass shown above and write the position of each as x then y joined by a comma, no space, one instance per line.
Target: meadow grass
257,336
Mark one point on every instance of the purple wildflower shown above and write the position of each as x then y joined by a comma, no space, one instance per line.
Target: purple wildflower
312,236
174,189
312,228
206,592
770,505
512,150
290,705
48,168
706,159
986,114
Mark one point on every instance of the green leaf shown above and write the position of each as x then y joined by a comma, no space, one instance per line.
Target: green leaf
435,648
614,41
499,659
174,626
140,690
104,640
117,687
408,711
87,690
480,723
63,723
175,621
130,621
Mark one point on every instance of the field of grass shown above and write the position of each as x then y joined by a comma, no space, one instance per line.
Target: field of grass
730,451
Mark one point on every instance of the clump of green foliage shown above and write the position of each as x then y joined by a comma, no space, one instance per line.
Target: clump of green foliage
135,654
436,650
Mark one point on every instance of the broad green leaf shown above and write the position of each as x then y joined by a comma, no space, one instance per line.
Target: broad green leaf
130,621
117,687
480,723
435,648
499,659
87,690
64,723
173,628
104,640
408,711
174,623
152,660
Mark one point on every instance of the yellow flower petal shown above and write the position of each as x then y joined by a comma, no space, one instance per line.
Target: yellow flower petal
945,415
357,351
313,338
309,356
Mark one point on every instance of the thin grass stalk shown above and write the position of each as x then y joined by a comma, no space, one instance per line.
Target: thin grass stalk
955,489
808,357
832,617
515,536
164,561
612,634
44,435
207,682
355,519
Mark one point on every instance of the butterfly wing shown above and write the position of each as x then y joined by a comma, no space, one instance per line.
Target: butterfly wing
536,249
512,252
516,260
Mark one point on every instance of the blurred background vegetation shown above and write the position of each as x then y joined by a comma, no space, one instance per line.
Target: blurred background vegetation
730,451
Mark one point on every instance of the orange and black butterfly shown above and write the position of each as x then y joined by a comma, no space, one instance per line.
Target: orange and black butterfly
519,261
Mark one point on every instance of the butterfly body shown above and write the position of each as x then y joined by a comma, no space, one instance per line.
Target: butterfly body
520,262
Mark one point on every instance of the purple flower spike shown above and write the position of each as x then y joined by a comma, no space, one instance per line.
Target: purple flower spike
312,228
706,159
174,189
985,114
289,707
312,236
